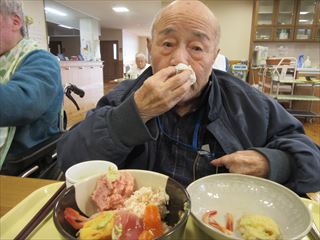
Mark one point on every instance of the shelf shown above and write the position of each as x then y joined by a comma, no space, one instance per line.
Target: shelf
307,114
288,13
282,97
299,81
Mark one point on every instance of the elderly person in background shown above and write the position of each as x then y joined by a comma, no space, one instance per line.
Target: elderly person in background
141,66
31,92
165,122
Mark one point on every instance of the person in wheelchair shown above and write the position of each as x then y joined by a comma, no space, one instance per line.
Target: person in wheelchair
31,92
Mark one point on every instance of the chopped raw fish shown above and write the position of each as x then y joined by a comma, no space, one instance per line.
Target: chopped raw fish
111,194
127,226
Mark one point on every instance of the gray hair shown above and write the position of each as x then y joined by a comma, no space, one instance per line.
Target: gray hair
12,7
215,23
141,55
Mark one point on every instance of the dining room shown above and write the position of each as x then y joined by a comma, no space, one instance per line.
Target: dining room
193,147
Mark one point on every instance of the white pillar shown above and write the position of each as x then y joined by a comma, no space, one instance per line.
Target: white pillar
89,38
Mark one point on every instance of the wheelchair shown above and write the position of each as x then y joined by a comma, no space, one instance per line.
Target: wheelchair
40,161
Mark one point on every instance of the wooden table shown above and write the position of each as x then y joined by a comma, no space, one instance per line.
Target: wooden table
15,189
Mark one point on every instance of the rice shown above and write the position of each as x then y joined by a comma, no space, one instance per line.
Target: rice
138,201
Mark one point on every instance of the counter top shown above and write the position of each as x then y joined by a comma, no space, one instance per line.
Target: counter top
81,63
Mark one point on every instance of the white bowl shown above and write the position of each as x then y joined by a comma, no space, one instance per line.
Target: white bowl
241,194
83,170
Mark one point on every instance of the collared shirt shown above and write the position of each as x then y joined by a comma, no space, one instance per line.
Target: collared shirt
174,157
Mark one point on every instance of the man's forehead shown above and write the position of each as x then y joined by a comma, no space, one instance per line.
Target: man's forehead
173,30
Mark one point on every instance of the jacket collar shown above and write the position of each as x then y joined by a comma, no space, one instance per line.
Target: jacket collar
214,99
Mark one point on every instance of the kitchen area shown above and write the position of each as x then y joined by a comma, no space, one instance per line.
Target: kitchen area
285,54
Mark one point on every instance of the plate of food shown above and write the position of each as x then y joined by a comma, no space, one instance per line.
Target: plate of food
234,206
123,204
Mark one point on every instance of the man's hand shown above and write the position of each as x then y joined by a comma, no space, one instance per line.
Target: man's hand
247,162
161,92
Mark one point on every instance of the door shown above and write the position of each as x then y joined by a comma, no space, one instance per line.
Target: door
55,47
110,57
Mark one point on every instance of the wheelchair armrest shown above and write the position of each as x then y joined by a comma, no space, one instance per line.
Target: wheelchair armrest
36,152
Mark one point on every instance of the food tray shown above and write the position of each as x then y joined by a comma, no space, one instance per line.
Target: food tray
13,222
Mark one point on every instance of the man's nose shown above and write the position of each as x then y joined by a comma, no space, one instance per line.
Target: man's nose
180,55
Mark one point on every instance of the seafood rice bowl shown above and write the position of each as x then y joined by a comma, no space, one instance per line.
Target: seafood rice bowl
124,204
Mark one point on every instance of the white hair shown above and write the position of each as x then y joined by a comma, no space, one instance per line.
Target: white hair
12,7
141,55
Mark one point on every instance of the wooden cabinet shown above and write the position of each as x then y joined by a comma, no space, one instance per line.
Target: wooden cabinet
286,20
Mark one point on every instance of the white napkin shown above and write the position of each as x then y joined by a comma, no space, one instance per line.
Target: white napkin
182,66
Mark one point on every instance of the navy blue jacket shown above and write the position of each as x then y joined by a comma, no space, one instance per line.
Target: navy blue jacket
240,117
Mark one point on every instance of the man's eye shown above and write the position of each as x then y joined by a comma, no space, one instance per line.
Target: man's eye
196,48
167,44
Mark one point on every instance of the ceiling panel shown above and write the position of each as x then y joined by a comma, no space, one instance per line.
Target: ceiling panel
137,21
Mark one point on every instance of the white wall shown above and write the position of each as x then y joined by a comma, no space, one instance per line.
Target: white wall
37,30
89,39
130,47
235,19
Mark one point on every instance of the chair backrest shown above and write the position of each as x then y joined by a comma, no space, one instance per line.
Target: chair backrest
285,69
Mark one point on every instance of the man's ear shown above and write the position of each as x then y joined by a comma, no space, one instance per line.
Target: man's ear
149,44
216,54
17,22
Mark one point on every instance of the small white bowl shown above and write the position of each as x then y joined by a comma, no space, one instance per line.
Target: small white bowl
241,194
83,170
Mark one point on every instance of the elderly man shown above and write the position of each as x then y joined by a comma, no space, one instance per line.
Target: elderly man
141,66
166,123
31,92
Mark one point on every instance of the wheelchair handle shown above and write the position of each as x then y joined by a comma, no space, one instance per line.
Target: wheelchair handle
68,94
75,89
68,89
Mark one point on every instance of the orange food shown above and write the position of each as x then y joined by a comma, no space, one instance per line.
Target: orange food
152,220
209,216
229,224
74,218
146,235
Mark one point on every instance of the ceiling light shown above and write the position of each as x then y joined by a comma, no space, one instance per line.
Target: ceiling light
303,13
54,11
120,9
65,26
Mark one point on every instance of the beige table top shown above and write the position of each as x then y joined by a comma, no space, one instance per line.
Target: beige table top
14,189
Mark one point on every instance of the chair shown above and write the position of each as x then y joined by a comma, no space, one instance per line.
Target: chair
221,63
277,70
